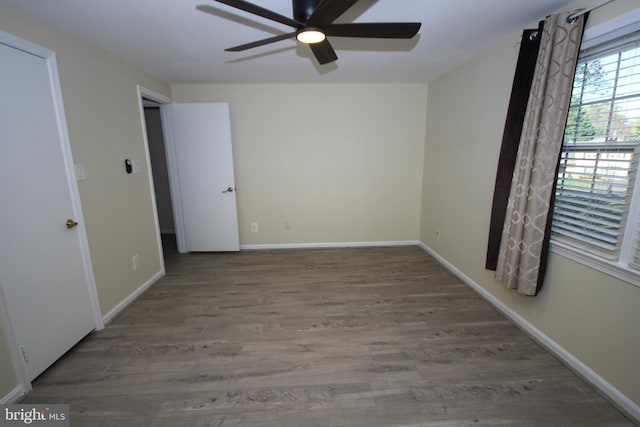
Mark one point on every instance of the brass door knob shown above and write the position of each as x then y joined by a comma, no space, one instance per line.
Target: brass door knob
71,223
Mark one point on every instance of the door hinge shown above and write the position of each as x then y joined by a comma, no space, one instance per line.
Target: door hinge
24,353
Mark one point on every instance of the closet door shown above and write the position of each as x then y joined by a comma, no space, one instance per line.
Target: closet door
43,273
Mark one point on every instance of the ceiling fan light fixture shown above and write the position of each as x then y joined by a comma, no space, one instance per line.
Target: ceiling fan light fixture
310,35
314,20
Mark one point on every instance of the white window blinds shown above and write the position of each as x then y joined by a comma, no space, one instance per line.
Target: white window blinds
595,208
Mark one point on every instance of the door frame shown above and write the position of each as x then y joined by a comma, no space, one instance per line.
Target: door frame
172,164
160,99
172,167
170,153
10,332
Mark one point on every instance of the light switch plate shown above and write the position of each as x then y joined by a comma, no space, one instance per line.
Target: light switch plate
136,166
80,176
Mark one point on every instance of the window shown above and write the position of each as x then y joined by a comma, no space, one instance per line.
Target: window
596,211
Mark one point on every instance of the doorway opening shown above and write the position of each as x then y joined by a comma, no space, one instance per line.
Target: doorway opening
201,186
160,174
152,119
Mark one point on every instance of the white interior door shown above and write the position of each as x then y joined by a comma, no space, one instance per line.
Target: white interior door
43,272
201,136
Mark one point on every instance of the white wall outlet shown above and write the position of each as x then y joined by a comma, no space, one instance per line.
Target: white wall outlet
287,226
254,227
135,263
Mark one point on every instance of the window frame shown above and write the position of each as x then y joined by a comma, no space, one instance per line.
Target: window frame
594,36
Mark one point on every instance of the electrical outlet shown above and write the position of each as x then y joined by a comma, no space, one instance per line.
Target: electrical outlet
287,226
135,262
254,227
438,235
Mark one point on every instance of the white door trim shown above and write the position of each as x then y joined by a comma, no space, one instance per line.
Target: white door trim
161,99
49,56
170,153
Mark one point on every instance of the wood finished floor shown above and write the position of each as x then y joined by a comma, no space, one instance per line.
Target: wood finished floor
318,337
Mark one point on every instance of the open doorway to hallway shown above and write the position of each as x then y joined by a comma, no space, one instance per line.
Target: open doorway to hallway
160,174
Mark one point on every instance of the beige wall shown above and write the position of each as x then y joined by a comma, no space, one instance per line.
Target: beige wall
590,314
103,119
339,163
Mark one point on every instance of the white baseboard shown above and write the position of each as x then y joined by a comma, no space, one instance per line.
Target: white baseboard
13,396
622,402
132,297
331,245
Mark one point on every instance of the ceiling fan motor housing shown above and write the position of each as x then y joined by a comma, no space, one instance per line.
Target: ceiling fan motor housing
303,9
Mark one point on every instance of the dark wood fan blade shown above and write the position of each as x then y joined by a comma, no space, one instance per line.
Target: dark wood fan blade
261,42
328,11
388,30
260,11
323,52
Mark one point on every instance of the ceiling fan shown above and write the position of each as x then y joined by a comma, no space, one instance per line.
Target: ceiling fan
313,22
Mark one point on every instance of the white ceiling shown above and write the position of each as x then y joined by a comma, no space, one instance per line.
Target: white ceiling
184,40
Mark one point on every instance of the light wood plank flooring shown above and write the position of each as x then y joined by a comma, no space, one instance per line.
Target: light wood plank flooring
318,337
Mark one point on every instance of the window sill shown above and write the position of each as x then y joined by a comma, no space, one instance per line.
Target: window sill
614,269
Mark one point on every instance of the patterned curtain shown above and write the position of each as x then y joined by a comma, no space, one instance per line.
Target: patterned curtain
525,236
522,79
